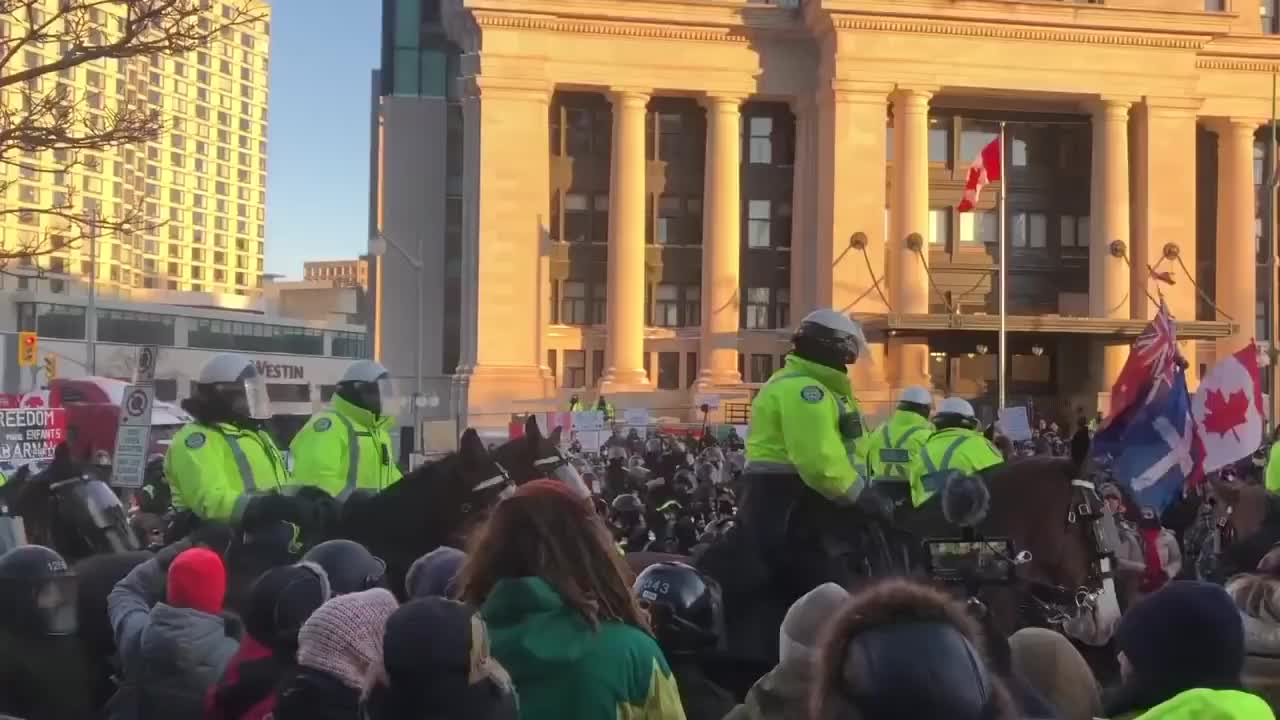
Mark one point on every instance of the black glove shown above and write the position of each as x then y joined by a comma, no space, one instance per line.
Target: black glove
265,509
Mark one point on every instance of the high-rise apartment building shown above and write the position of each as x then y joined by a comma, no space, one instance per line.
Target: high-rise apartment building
341,273
201,184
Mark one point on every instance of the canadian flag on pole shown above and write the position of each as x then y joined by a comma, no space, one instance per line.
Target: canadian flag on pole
986,168
1228,409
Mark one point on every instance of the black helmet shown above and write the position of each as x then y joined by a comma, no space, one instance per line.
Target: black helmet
687,610
37,592
626,503
350,566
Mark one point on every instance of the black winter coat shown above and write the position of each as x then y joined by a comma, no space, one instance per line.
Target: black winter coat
701,697
315,695
44,678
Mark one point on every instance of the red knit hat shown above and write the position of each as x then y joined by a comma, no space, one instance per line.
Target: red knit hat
197,580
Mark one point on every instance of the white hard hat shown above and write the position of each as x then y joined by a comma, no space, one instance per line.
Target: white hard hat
364,371
956,406
227,367
918,395
837,321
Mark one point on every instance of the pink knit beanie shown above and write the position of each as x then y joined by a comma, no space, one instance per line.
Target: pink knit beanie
344,636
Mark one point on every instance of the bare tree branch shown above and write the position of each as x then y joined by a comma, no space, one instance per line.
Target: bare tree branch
49,126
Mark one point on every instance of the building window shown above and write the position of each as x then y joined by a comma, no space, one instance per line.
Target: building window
551,363
979,227
692,305
1030,230
756,309
1074,231
254,337
679,221
1215,5
597,365
670,135
137,328
668,371
289,392
691,368
782,307
575,369
939,226
976,135
599,303
573,303
761,368
666,306
940,140
759,220
1271,16
577,217
350,345
586,132
760,140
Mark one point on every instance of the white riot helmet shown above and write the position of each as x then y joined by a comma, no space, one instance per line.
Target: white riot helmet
956,412
916,399
830,338
367,384
233,382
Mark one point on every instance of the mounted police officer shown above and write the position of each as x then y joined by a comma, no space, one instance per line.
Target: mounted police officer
224,467
958,445
894,446
348,447
801,448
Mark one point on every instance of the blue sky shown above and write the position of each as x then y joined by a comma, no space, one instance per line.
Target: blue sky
322,52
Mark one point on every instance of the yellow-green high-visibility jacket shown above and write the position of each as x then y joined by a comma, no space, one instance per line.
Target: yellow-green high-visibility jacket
607,410
343,449
576,406
1273,469
894,446
796,428
1201,704
965,451
215,469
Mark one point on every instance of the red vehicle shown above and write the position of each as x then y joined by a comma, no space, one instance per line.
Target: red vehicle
93,415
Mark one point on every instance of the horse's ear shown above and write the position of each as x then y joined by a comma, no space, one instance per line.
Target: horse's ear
531,429
472,448
554,437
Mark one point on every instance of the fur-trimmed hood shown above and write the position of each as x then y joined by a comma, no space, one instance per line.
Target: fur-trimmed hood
902,648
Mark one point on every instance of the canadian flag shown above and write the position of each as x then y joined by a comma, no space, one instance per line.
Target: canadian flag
986,168
1228,409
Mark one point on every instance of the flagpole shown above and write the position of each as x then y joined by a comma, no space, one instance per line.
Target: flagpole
1002,343
1270,208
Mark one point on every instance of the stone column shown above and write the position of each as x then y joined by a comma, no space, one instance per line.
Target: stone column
506,213
1237,269
848,201
1109,223
624,348
721,240
908,281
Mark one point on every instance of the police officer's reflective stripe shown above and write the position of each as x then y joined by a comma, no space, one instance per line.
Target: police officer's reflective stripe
770,467
934,470
242,461
893,455
353,466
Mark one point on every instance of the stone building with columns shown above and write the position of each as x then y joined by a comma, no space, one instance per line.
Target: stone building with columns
641,198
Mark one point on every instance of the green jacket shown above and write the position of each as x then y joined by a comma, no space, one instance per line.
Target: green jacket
895,445
607,410
1273,469
796,427
576,406
344,448
214,470
966,451
1211,705
564,670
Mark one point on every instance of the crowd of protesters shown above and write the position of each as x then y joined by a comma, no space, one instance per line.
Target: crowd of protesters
539,619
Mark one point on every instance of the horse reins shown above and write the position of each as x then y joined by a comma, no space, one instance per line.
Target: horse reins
1085,598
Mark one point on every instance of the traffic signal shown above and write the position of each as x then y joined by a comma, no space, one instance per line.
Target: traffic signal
28,349
51,366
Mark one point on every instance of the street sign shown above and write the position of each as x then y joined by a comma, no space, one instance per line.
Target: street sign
133,436
635,417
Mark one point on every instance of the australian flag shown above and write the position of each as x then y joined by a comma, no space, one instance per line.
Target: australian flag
1152,446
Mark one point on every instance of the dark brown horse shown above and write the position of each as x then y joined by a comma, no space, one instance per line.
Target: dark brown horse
1041,505
1245,526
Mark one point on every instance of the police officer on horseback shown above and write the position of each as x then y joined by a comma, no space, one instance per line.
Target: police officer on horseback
957,446
224,467
895,445
801,449
348,446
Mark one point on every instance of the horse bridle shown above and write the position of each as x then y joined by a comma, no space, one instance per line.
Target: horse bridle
1065,604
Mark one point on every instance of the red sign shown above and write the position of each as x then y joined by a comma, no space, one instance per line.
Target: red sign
10,400
31,434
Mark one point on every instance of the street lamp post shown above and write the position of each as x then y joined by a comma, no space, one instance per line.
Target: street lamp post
378,248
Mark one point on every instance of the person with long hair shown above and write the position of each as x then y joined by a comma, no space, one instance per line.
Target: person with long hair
556,596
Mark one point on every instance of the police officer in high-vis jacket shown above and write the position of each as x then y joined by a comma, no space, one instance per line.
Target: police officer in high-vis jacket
801,447
957,446
895,445
223,466
348,447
